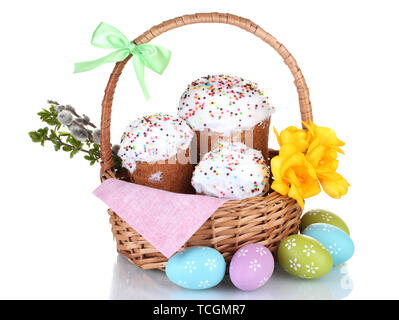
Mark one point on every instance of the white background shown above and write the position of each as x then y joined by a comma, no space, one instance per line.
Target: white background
55,239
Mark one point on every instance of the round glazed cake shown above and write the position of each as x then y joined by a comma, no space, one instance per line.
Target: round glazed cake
155,151
226,108
232,171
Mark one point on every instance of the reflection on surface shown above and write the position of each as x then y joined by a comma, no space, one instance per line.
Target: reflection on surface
131,282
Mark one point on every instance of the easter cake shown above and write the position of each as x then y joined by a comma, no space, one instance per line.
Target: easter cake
232,171
226,108
155,151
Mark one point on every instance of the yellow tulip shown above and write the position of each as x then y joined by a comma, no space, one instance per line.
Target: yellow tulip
292,135
325,163
322,154
294,175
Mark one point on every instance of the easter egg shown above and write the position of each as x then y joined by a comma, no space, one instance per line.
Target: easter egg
251,267
337,242
304,257
196,268
322,216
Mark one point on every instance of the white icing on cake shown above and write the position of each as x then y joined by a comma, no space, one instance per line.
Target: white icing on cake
153,138
232,171
224,104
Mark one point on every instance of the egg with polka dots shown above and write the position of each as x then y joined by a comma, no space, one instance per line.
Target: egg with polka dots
196,268
337,242
304,257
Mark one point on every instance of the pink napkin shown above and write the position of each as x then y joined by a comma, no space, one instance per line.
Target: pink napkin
165,219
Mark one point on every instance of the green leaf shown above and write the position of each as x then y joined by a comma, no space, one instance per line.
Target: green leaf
54,138
73,153
43,132
50,117
52,122
73,141
43,114
67,148
34,136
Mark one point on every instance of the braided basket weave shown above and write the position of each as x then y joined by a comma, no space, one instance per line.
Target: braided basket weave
265,220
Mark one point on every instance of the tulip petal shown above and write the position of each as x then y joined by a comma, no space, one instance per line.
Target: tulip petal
315,156
281,187
295,161
295,194
275,165
292,177
309,127
287,151
334,184
311,170
292,135
310,188
277,136
328,137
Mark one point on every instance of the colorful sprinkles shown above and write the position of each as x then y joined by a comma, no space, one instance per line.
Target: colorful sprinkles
224,104
154,138
232,171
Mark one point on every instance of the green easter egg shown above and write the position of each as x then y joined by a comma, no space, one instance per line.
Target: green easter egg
304,257
322,216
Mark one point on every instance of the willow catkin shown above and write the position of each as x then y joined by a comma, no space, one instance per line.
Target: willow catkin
65,117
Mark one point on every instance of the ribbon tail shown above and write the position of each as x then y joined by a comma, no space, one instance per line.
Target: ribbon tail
115,56
139,69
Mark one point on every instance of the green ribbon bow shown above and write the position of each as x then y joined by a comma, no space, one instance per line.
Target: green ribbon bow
108,37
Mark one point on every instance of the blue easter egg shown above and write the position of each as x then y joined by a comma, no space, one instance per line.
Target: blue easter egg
336,241
196,268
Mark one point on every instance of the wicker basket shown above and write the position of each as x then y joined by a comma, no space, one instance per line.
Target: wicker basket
265,220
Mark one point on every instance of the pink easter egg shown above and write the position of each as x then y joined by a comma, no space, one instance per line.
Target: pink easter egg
251,267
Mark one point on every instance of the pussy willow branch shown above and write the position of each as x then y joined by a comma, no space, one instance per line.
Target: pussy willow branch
73,111
81,126
71,146
62,143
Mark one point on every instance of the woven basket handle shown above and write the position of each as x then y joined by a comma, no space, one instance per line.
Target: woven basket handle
300,83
